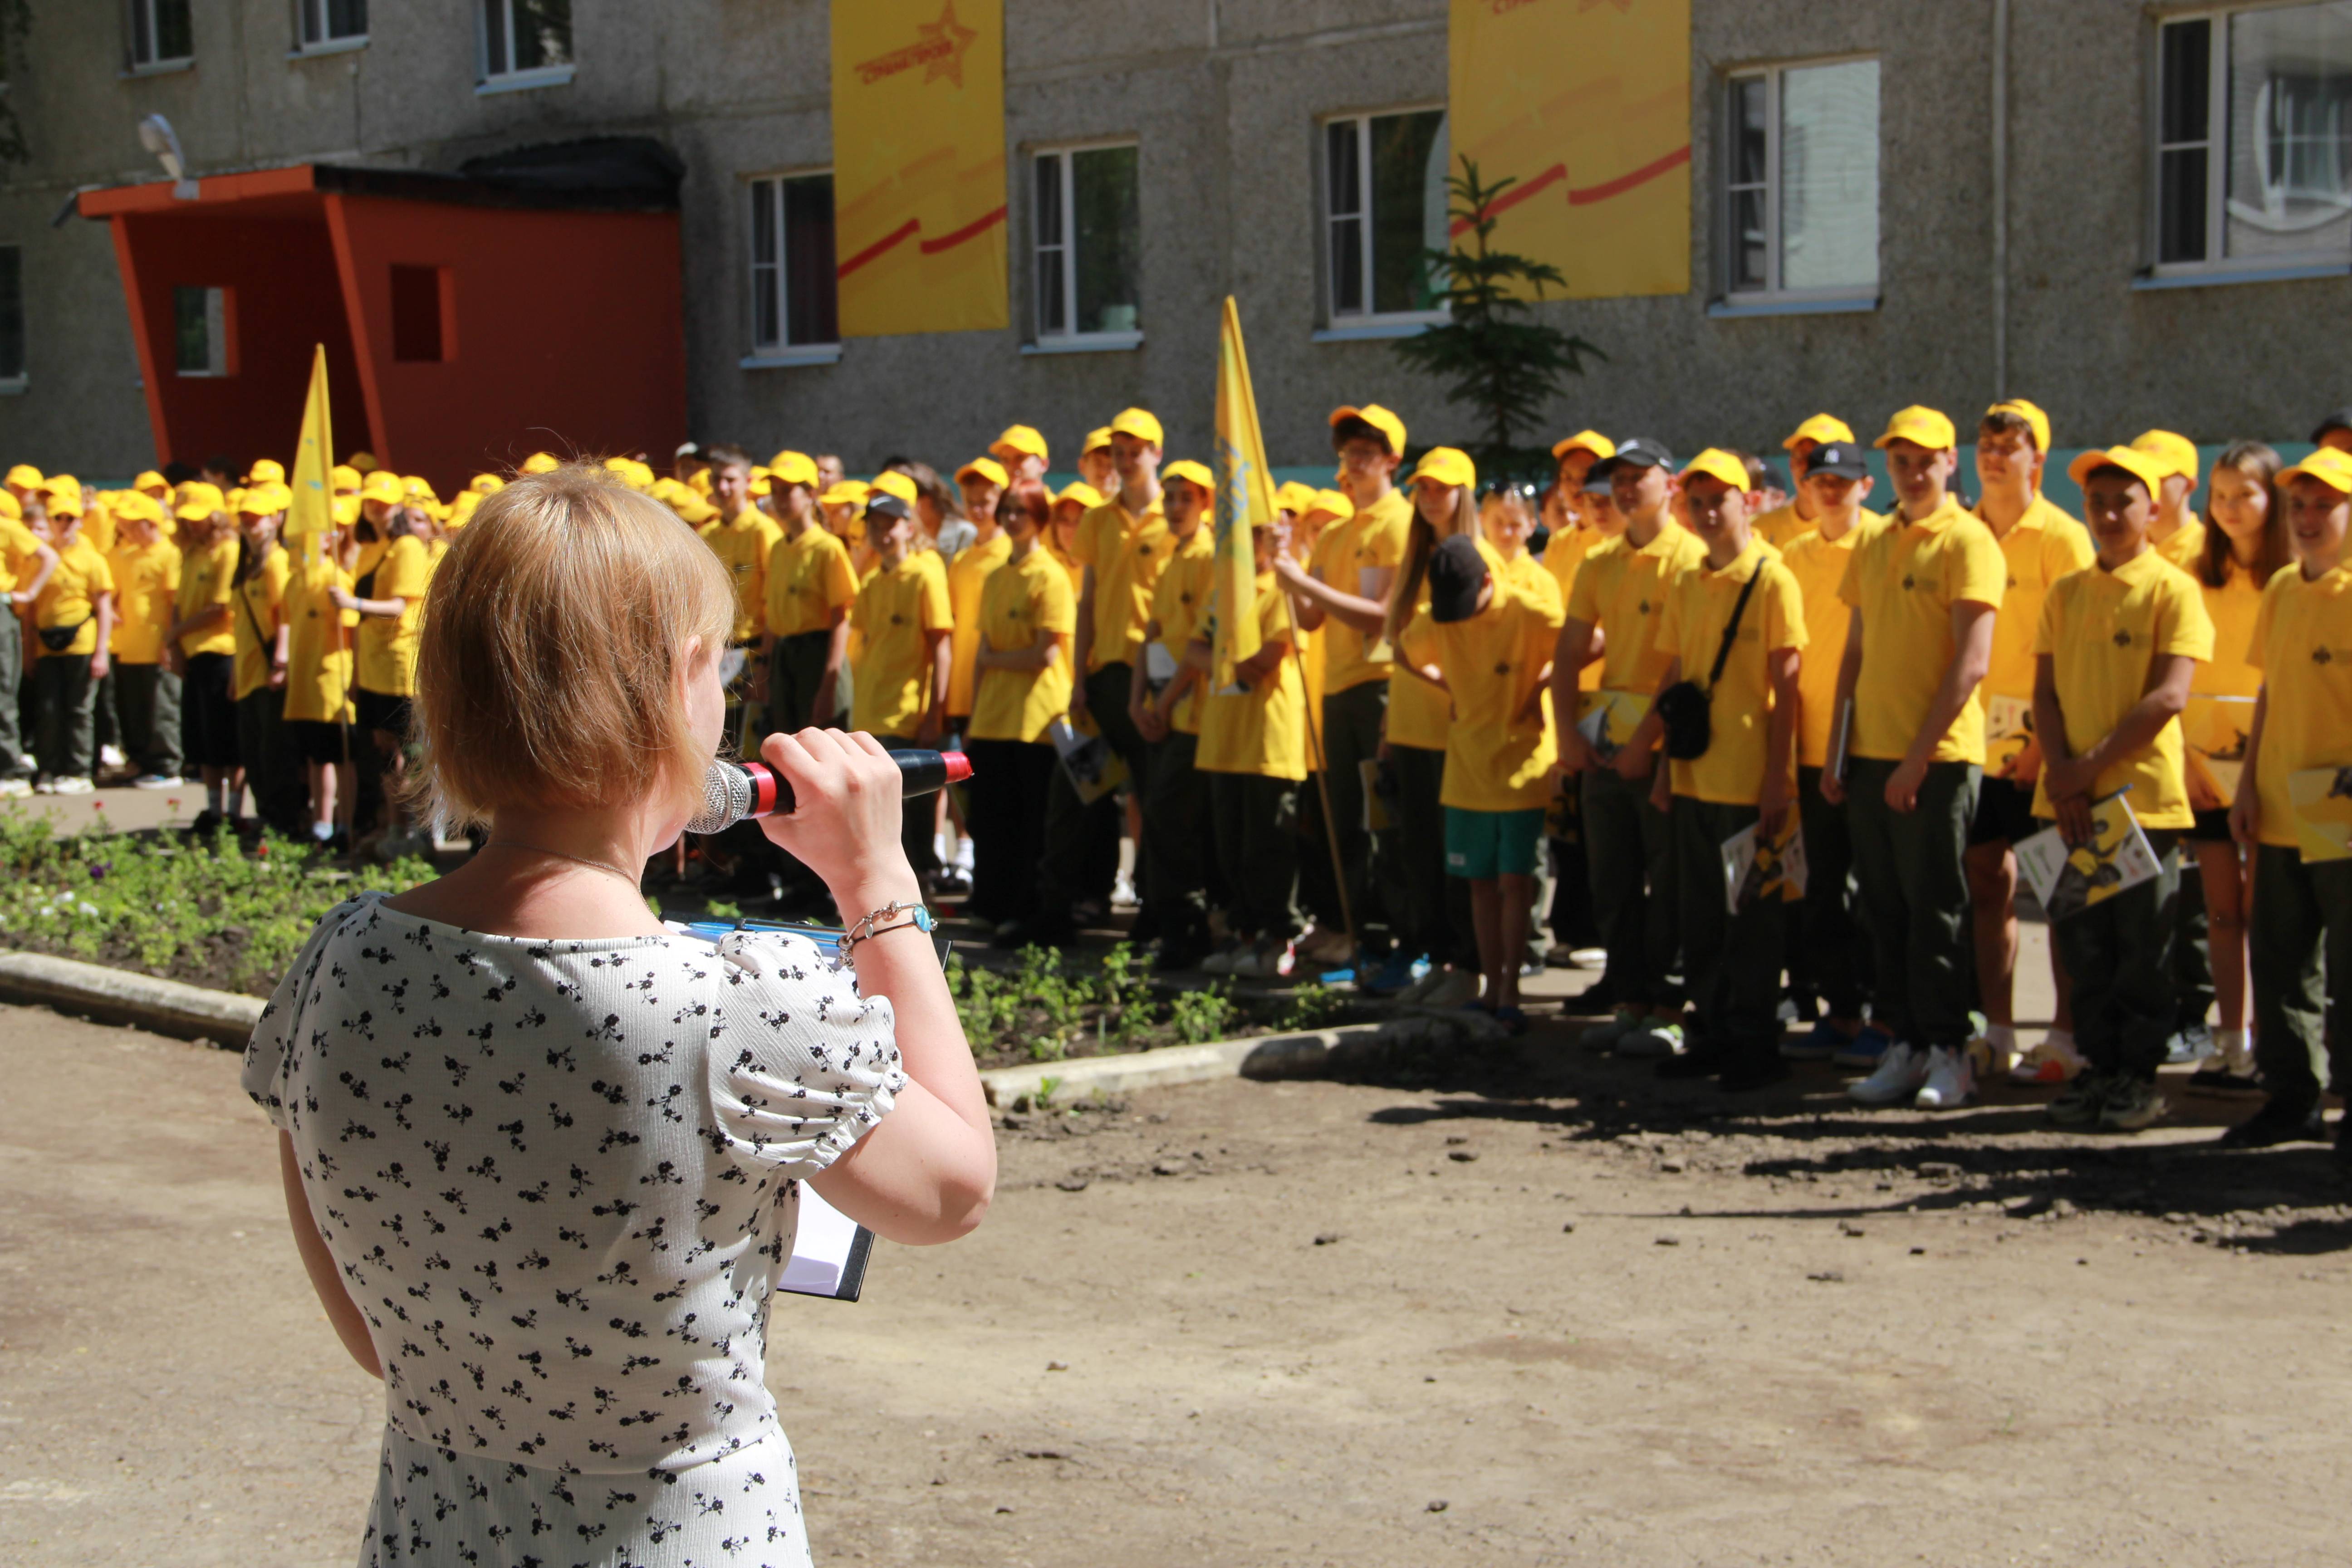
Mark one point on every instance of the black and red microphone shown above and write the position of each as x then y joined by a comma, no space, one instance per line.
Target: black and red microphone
733,791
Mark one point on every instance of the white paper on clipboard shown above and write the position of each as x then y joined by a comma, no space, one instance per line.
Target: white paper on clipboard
829,1252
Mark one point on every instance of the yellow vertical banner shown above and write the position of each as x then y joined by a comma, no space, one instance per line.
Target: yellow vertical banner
312,511
1586,104
1245,501
919,165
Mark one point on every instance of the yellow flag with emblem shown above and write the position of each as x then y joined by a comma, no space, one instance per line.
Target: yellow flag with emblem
312,509
1245,501
919,166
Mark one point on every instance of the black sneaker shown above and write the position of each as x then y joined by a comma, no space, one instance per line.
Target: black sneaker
2275,1124
2222,1081
2080,1103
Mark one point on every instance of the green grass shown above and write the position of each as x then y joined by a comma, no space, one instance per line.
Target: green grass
1040,1011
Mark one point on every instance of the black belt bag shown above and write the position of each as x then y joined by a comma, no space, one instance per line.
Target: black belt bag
57,639
1686,707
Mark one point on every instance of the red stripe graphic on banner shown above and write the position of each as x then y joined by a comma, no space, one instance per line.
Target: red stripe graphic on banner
896,236
969,231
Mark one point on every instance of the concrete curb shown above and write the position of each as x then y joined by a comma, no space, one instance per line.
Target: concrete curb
1300,1054
118,996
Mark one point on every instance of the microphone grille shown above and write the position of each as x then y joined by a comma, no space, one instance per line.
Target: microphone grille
726,798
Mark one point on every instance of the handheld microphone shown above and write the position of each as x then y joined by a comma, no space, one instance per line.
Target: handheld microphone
734,791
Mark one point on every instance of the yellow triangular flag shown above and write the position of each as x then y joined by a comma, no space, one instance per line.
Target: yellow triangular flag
1245,501
312,512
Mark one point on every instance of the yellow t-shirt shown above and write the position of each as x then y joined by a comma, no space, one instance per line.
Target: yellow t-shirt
1698,607
2233,608
255,607
1066,562
2045,545
1622,588
2102,631
1021,602
809,579
1819,566
387,648
146,586
1905,578
1781,527
1180,602
1372,541
318,644
972,568
97,526
204,575
1127,553
2303,646
1498,755
742,547
1419,714
71,597
889,657
2187,543
18,549
1263,730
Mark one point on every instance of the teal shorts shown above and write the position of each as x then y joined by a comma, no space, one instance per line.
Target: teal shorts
1480,845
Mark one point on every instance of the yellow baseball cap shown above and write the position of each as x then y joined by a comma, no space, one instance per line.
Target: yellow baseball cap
23,476
462,507
791,468
1592,441
1716,463
64,493
1293,496
1390,427
848,492
1920,427
1821,429
265,498
199,500
2328,466
988,468
694,508
1332,504
346,509
149,482
364,462
700,480
1447,466
2144,467
1078,490
266,470
417,489
486,484
1138,423
1192,473
2035,420
383,485
1095,441
343,479
541,463
892,482
1019,441
2178,454
133,504
10,508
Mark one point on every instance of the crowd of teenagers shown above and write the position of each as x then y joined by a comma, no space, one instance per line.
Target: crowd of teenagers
1475,712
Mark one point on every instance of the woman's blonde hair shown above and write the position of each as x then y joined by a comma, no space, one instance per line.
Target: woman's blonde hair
1419,541
549,662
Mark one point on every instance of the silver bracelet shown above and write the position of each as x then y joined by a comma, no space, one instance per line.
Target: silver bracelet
920,918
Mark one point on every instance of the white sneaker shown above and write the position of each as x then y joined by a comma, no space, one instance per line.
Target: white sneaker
1267,960
45,785
111,756
157,780
1952,1082
74,784
2054,1060
1122,894
11,789
1901,1072
1991,1052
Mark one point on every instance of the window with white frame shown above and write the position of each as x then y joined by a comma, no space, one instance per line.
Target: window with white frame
1385,208
525,43
1800,182
203,332
161,37
2253,138
793,298
1089,244
324,24
12,315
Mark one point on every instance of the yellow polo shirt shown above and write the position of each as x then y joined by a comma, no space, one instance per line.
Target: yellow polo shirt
1263,730
18,550
1781,527
1498,754
1021,602
1698,607
146,586
2234,608
1180,602
317,644
71,597
2303,646
972,568
1127,553
1419,714
2102,631
255,607
809,580
2185,546
1905,578
742,547
204,575
2044,545
1621,589
1372,541
386,663
889,658
1819,566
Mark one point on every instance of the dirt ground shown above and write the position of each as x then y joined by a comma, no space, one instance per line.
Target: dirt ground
1526,1308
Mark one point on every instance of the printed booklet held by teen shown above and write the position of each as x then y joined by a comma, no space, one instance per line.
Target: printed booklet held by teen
1775,869
2066,880
1094,770
2215,729
2008,727
1610,720
2323,813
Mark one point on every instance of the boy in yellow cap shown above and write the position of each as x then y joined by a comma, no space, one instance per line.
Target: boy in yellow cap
1028,614
27,564
1098,462
1781,524
387,596
257,680
1164,699
982,481
1078,498
809,589
742,537
73,620
899,651
23,481
199,642
2302,720
146,568
1736,625
2039,544
2118,649
1023,452
2179,534
1342,594
318,712
1620,592
1924,588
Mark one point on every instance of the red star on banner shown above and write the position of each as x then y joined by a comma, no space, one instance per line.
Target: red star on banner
958,39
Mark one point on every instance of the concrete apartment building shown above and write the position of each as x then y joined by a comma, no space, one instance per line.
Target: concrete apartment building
2133,213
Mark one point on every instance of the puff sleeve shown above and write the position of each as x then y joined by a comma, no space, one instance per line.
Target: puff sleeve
800,1065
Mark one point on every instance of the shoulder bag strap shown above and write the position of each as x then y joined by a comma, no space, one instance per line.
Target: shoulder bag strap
1731,628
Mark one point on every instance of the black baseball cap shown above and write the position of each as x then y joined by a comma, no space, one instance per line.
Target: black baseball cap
1641,452
883,503
1842,458
2339,419
1456,573
1774,476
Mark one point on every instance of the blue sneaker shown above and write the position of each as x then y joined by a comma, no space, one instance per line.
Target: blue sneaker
1391,974
1864,1050
1818,1044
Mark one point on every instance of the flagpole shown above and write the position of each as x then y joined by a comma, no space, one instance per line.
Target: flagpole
1323,785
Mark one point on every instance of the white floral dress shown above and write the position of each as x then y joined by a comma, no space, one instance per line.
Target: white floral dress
559,1179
